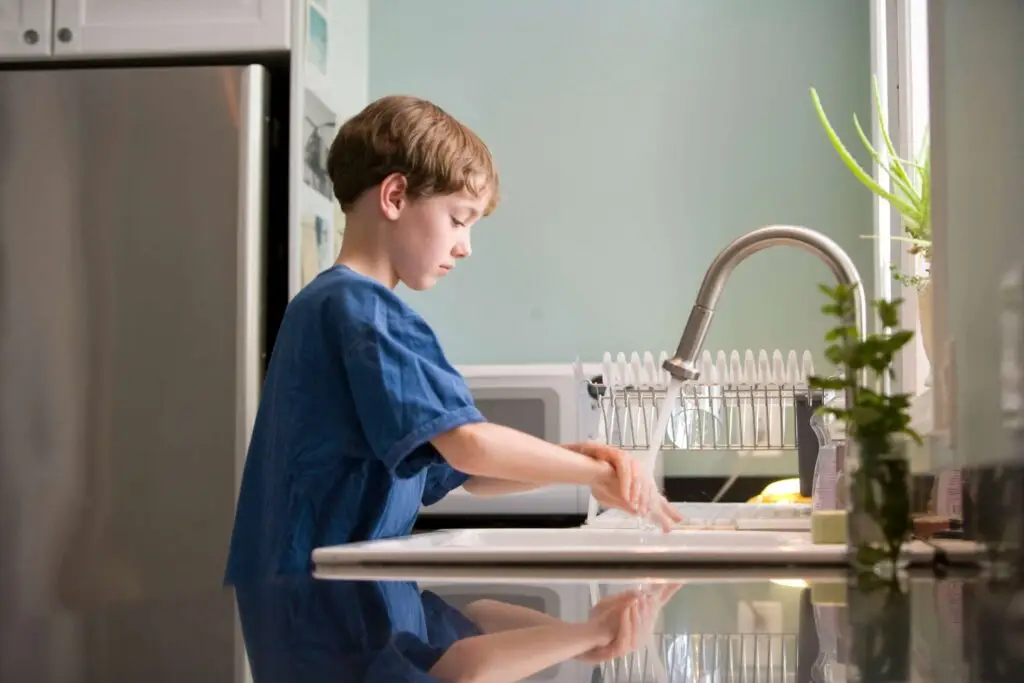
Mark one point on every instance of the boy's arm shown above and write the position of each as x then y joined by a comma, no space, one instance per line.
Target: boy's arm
518,654
490,450
493,486
486,449
492,616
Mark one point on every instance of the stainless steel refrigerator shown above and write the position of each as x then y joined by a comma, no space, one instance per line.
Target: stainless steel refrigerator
143,259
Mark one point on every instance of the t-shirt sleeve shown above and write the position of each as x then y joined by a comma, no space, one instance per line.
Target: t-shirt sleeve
442,478
409,654
404,658
404,389
445,624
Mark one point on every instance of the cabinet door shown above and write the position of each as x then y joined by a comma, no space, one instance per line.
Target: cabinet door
97,28
25,29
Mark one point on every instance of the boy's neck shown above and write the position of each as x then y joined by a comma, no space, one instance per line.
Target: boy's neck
364,250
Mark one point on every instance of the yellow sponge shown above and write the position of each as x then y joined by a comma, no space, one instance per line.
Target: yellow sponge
828,527
784,491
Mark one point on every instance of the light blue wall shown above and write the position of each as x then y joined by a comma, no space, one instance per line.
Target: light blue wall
635,140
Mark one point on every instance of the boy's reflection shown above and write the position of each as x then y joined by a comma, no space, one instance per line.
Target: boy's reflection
304,630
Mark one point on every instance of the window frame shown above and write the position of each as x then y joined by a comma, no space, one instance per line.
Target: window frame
899,54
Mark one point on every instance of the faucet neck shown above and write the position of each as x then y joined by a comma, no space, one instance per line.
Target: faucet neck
683,365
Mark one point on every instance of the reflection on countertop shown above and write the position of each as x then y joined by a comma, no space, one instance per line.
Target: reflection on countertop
509,625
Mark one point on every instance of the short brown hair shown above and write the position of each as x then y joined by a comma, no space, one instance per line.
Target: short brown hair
401,134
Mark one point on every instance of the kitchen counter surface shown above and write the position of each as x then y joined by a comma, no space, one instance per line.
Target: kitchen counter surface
533,625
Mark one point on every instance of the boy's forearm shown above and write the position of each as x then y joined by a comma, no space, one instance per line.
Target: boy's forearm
486,449
516,654
492,486
492,616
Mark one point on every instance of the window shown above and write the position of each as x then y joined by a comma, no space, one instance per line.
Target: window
900,63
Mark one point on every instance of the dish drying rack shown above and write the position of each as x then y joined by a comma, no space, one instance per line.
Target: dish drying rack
736,406
683,657
752,406
722,658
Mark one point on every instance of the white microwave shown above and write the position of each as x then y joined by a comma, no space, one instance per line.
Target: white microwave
551,402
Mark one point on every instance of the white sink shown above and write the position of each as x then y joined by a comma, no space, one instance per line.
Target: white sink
609,548
619,539
588,546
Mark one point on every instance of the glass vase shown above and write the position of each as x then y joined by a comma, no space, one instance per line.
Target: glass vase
878,503
879,630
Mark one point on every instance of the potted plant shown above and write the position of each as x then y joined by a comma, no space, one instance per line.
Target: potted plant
910,196
876,468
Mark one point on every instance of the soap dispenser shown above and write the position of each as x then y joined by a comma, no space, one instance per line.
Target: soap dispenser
828,488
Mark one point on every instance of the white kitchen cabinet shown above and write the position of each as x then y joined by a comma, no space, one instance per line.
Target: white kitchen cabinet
135,28
25,29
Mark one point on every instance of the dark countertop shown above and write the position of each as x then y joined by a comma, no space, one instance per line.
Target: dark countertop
498,625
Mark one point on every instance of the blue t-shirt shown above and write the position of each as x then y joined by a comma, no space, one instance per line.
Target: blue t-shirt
356,388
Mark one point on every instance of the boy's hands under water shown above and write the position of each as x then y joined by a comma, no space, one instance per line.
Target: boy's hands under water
626,485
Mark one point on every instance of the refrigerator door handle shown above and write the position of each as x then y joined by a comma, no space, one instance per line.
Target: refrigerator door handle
252,217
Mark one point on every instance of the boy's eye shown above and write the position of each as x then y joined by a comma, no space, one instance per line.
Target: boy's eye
456,222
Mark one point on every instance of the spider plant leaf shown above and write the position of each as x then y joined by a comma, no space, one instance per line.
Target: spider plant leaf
851,163
898,175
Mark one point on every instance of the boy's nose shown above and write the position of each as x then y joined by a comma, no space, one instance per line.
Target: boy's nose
462,249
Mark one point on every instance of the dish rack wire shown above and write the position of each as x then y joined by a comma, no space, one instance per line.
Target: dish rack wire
684,657
706,417
715,657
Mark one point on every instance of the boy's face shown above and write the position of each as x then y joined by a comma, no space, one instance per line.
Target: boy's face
431,234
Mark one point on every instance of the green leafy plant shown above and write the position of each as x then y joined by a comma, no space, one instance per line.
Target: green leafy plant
880,634
911,183
878,422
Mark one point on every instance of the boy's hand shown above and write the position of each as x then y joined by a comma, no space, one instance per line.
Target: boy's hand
623,464
648,502
621,623
638,492
626,621
664,514
598,451
623,489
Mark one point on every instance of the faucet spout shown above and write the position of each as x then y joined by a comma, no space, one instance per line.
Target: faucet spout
683,365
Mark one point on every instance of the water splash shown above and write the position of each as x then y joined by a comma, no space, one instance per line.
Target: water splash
669,406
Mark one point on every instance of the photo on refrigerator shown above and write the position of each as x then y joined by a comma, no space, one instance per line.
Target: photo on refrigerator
318,246
316,38
317,134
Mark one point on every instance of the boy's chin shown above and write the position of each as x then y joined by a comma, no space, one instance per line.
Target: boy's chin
420,284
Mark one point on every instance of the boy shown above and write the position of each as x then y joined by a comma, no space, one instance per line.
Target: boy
362,417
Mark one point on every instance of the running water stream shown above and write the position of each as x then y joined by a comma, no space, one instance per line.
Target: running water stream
666,410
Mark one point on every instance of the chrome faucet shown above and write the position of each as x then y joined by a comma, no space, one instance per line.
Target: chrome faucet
684,366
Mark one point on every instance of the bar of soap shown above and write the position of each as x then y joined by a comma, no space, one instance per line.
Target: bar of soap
831,593
828,527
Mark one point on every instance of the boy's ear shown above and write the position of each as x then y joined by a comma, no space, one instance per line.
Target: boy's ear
392,195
